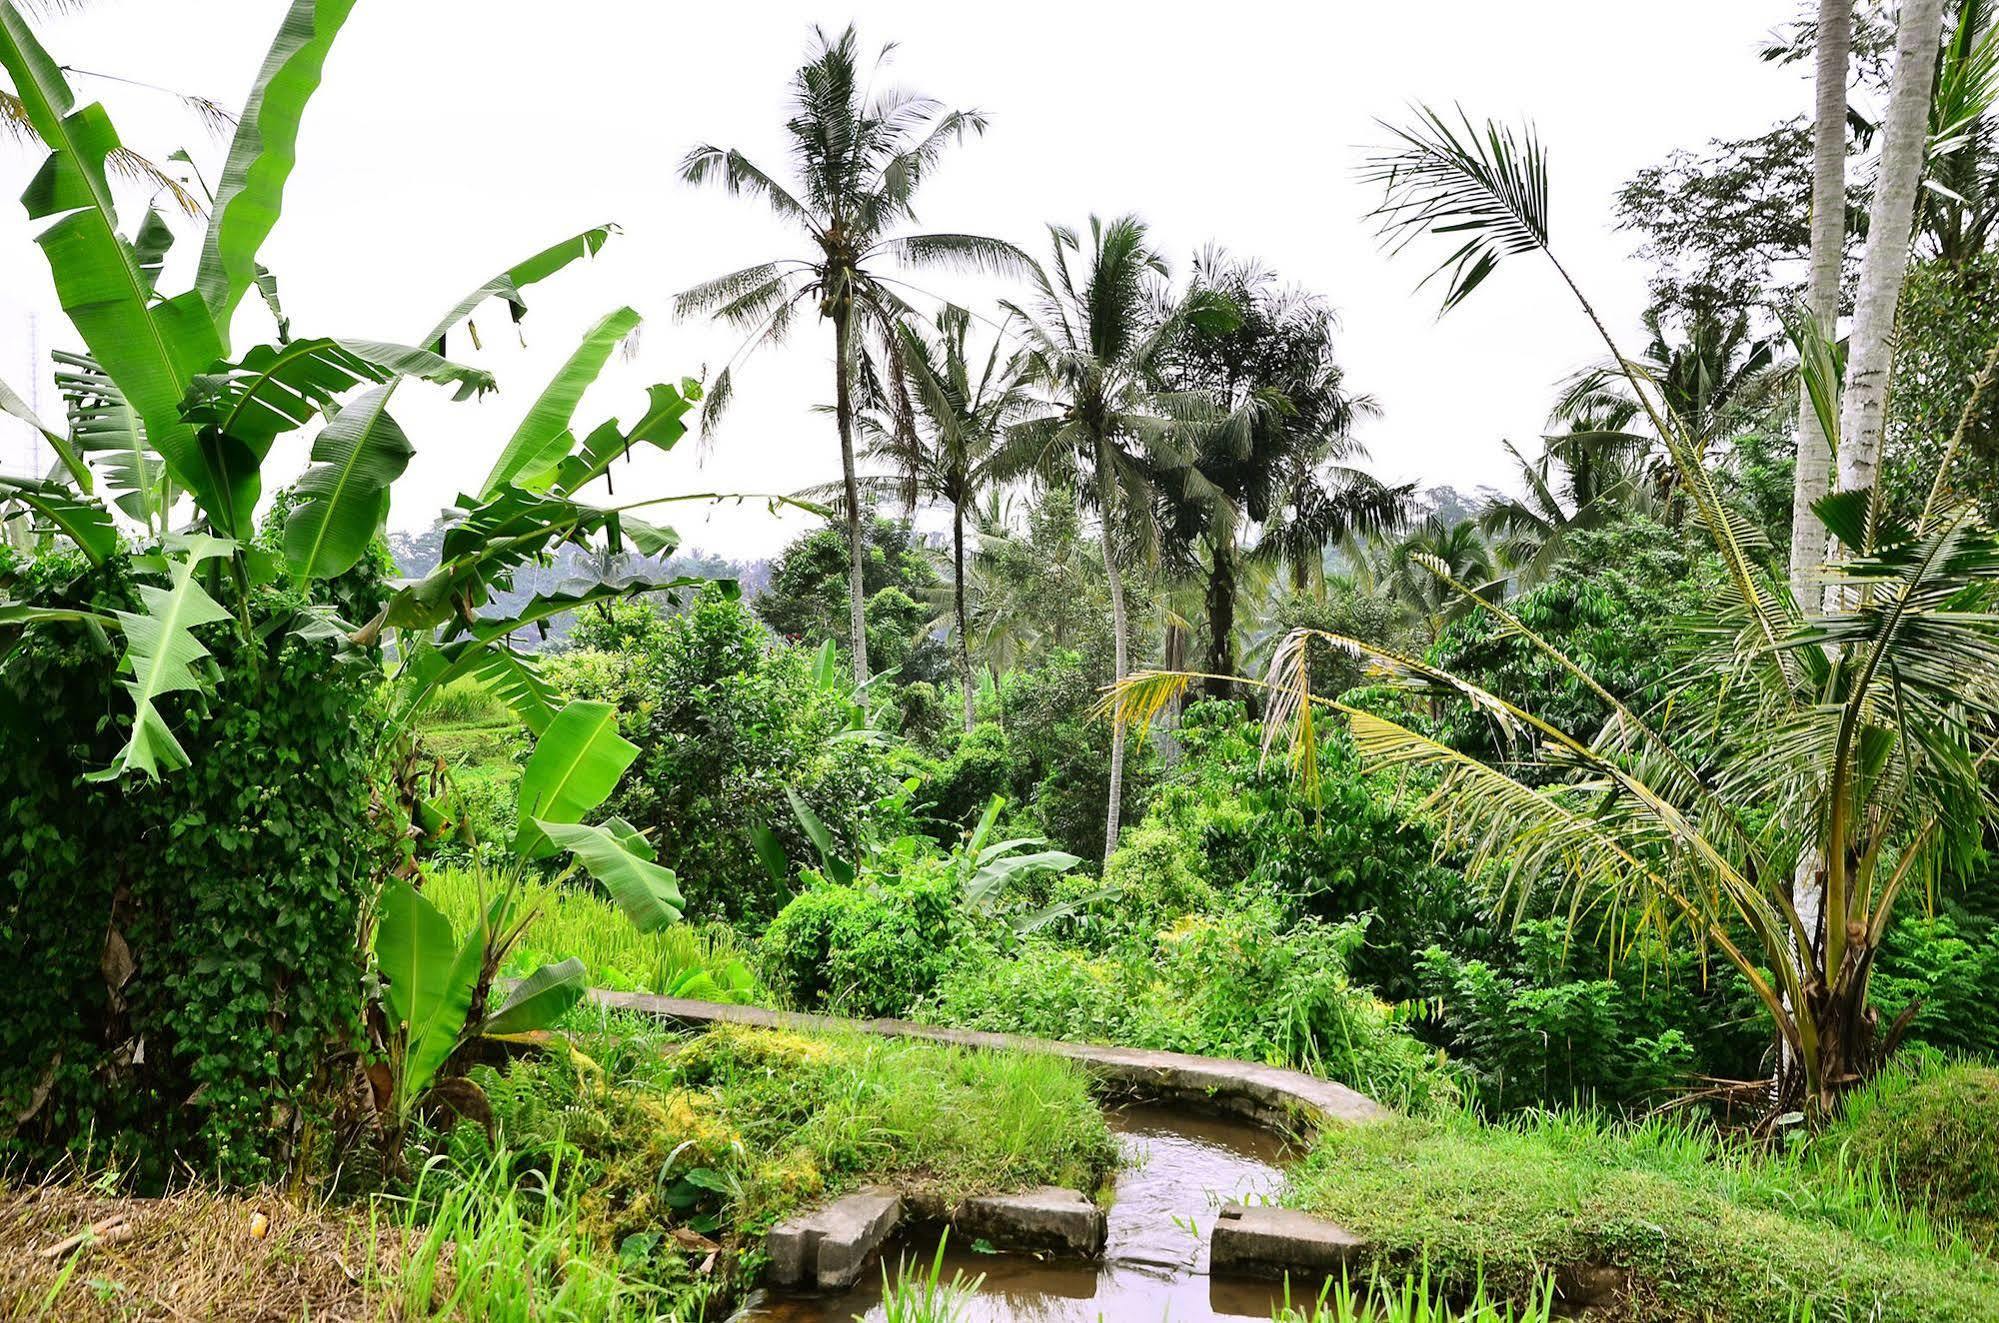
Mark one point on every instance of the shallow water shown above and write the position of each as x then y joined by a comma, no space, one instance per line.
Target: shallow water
1180,1167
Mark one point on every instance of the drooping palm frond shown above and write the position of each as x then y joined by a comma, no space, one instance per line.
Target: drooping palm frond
1486,189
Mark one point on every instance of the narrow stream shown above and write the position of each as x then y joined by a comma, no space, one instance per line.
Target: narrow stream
1179,1169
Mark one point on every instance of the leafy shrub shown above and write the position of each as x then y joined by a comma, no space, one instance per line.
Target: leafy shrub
727,719
1947,966
1251,829
871,948
181,952
1238,984
1933,1129
1549,1018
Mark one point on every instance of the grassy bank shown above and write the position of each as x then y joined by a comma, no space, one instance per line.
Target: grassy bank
1693,1229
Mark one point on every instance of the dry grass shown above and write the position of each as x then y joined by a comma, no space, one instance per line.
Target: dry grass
194,1255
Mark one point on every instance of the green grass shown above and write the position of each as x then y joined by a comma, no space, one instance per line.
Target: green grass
680,961
1415,1299
650,1152
1703,1230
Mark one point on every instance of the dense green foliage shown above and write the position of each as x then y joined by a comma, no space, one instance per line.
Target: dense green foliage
806,601
727,719
867,949
183,961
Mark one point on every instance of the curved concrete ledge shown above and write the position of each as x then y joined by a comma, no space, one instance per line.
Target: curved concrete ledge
1269,1095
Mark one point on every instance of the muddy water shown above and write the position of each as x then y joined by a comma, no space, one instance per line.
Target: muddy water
1179,1169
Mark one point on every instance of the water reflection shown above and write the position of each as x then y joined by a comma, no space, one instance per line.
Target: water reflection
1179,1169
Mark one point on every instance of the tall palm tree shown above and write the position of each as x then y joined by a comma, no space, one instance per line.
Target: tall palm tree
961,411
1094,341
859,159
1275,448
1566,489
1460,548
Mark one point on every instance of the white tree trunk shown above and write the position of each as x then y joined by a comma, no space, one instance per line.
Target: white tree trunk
843,409
1828,221
1904,145
1120,629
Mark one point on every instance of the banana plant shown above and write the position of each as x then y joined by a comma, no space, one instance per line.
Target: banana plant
169,427
437,984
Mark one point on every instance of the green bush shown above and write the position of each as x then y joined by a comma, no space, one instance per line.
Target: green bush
1237,984
1549,1019
181,952
1946,965
727,719
1933,1129
872,948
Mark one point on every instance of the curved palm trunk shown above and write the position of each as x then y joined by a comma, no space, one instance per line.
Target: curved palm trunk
1120,628
958,604
843,409
1814,471
1904,145
1221,616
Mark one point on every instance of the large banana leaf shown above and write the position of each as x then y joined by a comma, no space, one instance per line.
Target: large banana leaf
343,496
576,596
108,432
539,1000
251,191
430,980
160,653
81,519
659,425
648,893
574,767
151,350
509,283
548,420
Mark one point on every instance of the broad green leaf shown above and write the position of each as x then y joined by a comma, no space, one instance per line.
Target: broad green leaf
648,893
150,350
552,413
574,767
822,840
539,1000
251,191
430,980
13,404
150,246
160,653
509,283
82,519
770,852
343,496
660,425
546,606
112,438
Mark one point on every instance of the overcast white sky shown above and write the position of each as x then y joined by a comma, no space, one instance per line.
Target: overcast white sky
453,137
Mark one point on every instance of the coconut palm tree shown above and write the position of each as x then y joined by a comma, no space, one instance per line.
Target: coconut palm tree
1852,746
1094,340
961,407
859,159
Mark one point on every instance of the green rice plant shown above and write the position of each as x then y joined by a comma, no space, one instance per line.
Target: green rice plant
917,1296
487,1245
1415,1299
466,702
568,920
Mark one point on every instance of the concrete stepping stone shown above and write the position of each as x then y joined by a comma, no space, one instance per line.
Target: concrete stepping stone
1047,1217
1257,1241
829,1247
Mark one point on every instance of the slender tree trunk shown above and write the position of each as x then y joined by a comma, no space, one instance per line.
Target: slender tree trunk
1221,616
1120,628
1814,471
843,409
1904,146
958,604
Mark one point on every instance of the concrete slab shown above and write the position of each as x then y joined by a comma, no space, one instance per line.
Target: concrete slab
1047,1217
829,1247
1255,1241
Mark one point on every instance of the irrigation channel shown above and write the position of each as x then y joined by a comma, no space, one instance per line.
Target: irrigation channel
1179,1168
